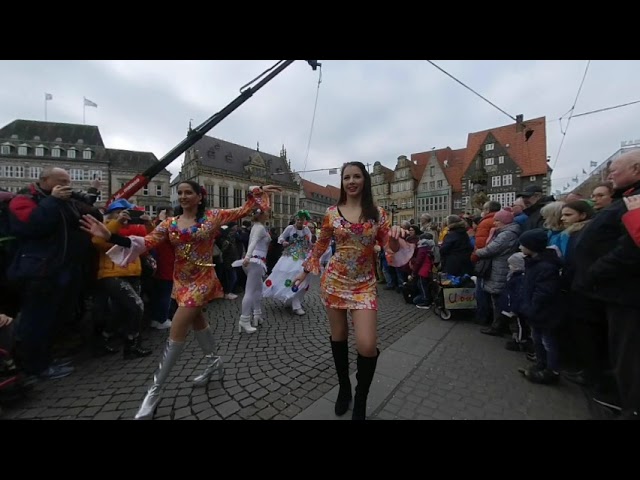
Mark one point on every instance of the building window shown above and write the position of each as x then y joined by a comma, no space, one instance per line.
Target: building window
145,190
495,181
237,197
276,203
86,154
292,206
34,172
432,171
440,183
432,184
71,153
95,175
457,205
22,150
210,195
501,159
5,149
158,190
150,210
76,174
39,152
488,147
55,152
532,178
507,180
489,161
224,197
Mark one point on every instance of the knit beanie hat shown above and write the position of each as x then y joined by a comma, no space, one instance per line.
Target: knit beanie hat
535,240
504,216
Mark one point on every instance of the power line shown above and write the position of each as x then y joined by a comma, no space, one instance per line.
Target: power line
604,109
472,90
564,134
313,119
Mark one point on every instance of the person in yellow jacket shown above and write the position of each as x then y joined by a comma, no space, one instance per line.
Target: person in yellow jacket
120,285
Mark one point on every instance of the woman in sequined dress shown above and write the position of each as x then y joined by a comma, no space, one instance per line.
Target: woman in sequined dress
349,282
192,234
296,240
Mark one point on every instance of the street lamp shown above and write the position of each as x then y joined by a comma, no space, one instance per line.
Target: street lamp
394,209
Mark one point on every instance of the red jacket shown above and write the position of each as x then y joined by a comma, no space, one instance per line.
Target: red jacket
422,263
631,220
482,233
165,257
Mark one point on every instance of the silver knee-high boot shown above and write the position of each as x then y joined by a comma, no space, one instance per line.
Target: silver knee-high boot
214,363
172,351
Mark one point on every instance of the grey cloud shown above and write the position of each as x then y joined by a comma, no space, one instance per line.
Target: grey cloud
367,110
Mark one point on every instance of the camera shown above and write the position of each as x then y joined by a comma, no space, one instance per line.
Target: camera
135,217
84,197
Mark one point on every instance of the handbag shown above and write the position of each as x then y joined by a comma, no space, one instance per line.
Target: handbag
482,268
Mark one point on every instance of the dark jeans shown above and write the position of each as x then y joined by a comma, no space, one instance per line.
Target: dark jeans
545,343
124,293
624,347
424,298
46,303
232,279
160,301
483,305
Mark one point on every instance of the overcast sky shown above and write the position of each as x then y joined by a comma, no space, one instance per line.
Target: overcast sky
367,110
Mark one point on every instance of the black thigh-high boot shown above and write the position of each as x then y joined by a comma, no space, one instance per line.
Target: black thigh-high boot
366,369
340,352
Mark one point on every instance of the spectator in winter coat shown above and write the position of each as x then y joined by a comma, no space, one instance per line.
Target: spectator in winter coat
539,305
607,269
422,265
534,199
502,243
510,299
456,249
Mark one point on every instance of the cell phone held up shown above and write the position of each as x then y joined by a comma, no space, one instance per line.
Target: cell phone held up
135,217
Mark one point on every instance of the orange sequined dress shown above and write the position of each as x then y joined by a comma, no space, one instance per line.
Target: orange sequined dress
194,277
349,281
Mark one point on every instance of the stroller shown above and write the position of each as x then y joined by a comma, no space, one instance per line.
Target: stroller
452,293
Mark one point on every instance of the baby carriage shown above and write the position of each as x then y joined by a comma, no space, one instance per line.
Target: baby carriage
452,293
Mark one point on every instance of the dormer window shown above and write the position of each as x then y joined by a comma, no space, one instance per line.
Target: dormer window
22,149
86,154
55,152
40,151
488,147
5,149
71,153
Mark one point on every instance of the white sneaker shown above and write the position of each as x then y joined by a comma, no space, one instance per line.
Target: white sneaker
231,296
161,326
299,311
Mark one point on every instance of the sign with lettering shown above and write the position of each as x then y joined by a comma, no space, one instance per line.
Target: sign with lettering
459,298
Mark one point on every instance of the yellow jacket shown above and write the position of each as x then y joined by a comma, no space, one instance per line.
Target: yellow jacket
108,269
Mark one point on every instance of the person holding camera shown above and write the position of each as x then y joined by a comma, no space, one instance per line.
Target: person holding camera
49,264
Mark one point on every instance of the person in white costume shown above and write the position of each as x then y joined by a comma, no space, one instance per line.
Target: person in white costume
296,240
254,265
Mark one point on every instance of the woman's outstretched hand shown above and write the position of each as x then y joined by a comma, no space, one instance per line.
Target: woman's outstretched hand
271,189
94,227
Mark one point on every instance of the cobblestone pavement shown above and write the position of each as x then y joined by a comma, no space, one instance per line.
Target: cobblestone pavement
472,376
428,369
272,374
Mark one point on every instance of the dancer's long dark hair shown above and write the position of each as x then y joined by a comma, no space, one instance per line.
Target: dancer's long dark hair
202,206
369,208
